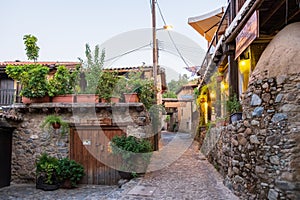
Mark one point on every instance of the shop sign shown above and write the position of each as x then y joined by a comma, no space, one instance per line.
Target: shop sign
247,35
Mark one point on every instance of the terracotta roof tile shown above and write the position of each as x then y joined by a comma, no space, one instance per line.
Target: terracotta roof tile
44,63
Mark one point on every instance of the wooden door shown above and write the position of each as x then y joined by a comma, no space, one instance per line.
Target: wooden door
89,147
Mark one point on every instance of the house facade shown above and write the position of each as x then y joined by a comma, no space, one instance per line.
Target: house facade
188,109
255,49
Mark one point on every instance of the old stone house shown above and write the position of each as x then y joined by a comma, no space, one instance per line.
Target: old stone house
187,112
92,125
255,47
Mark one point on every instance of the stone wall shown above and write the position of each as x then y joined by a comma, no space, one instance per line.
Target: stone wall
259,156
30,141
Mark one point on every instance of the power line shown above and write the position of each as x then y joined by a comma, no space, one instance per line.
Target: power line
170,36
128,52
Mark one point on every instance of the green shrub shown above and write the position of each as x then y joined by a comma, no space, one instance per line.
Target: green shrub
70,170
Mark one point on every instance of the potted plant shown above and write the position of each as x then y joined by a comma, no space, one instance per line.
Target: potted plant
134,152
46,173
131,86
56,123
106,85
147,92
91,71
69,172
33,78
234,107
62,84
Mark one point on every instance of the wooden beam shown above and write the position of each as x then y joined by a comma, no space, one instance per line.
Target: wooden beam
274,10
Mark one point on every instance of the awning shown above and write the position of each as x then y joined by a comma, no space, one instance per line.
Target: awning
207,24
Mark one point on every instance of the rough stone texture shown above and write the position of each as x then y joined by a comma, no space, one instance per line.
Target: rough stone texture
281,57
30,141
262,161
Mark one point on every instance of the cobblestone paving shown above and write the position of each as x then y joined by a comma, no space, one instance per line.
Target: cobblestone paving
189,177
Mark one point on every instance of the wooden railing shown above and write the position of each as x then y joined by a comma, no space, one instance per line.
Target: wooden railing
7,96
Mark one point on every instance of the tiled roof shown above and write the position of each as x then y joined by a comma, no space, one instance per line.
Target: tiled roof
128,67
44,63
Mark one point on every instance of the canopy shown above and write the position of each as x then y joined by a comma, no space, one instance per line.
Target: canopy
207,24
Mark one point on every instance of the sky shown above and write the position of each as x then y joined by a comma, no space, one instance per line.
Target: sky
63,27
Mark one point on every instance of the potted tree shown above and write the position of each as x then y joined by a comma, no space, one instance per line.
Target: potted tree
92,70
135,154
234,107
33,77
56,122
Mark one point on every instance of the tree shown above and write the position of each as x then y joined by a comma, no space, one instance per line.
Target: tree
93,67
32,50
174,86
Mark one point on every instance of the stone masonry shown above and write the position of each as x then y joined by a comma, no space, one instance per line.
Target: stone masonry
259,156
30,141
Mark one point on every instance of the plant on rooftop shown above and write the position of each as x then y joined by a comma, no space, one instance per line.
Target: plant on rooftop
106,84
32,50
92,67
33,77
63,82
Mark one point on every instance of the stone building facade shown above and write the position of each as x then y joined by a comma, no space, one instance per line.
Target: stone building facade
259,155
30,140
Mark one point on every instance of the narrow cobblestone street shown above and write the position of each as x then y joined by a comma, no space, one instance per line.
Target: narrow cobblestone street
189,177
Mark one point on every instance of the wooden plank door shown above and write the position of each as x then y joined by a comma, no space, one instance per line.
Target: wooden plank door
89,147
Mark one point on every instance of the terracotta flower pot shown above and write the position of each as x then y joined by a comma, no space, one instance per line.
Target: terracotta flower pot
115,100
87,98
56,125
131,97
44,99
68,98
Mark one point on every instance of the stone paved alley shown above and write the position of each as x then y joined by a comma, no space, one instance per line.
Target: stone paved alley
189,177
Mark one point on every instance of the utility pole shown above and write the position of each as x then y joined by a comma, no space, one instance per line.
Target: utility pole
155,56
155,119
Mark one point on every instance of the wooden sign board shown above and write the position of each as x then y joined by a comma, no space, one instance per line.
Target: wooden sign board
247,35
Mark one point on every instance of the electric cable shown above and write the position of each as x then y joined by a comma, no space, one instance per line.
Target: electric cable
170,36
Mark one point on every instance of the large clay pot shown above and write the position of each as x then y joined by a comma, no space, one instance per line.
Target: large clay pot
44,99
131,97
68,98
87,98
